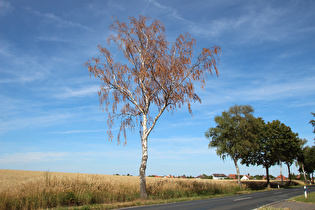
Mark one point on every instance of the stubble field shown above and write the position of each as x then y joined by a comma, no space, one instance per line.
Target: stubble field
35,189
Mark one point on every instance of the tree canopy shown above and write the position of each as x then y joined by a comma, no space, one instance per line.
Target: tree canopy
265,151
288,145
156,74
308,160
275,143
233,134
241,136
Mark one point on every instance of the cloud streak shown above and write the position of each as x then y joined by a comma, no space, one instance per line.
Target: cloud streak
80,92
263,89
279,91
44,120
258,22
78,131
31,157
22,68
5,7
58,21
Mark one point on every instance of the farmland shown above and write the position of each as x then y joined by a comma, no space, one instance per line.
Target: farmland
35,189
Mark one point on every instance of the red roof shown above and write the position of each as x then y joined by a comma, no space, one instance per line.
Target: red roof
279,177
219,175
232,176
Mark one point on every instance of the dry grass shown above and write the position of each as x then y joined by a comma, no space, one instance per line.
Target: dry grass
31,189
34,189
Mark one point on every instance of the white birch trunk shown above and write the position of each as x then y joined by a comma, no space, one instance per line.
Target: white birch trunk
143,166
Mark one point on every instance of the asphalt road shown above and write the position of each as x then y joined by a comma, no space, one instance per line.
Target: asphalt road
244,202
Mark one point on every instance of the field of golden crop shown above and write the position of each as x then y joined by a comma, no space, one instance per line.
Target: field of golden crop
34,189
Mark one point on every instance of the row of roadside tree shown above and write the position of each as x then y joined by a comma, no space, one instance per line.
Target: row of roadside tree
252,141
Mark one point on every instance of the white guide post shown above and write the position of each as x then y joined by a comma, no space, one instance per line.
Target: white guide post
305,191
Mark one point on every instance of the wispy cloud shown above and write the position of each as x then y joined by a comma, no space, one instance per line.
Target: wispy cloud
177,140
5,7
58,21
35,113
32,157
80,92
170,11
5,49
267,87
214,29
51,39
143,11
22,68
307,30
44,120
276,90
25,76
185,146
258,22
78,131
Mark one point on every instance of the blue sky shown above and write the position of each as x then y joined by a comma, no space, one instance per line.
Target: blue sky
50,118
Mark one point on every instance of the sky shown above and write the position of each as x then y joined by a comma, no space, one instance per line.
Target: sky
50,116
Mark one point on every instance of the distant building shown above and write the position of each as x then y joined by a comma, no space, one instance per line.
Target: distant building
283,178
245,177
232,176
201,177
219,176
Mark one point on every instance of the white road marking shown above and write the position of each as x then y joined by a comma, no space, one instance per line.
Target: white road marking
239,199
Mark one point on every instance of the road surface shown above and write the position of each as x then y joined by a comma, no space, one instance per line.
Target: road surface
244,202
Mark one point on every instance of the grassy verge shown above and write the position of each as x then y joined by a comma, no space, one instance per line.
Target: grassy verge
137,202
310,198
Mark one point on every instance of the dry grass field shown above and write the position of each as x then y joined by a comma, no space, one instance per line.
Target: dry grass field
34,189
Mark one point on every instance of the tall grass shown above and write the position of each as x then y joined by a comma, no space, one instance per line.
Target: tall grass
33,190
176,188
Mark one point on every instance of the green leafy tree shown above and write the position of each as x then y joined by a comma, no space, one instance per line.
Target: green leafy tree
309,160
300,159
277,143
265,152
233,134
258,177
287,144
293,176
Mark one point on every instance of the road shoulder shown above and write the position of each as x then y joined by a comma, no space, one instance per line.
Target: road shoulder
291,205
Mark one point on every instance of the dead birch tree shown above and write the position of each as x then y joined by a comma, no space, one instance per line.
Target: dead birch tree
156,73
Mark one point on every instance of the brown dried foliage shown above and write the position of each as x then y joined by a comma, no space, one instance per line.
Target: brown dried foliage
157,73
